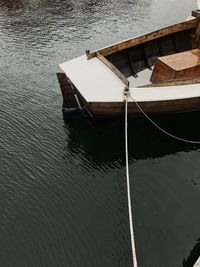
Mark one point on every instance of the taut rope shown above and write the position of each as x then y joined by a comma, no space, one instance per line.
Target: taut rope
126,94
161,129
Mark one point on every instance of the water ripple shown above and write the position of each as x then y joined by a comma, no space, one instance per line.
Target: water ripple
62,187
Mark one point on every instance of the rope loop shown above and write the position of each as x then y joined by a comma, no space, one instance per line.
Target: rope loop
126,93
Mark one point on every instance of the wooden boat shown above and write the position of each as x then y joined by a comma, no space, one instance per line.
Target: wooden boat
161,69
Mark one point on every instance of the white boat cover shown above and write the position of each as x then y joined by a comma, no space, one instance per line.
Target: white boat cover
97,83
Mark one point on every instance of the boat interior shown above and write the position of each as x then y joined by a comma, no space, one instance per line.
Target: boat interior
137,63
168,56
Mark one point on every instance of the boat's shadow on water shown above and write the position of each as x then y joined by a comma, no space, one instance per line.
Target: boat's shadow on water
104,140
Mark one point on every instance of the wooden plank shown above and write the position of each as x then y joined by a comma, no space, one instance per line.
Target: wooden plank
112,68
172,83
187,25
67,91
188,73
162,72
116,109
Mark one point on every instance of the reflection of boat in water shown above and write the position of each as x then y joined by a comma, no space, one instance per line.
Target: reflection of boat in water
146,142
161,69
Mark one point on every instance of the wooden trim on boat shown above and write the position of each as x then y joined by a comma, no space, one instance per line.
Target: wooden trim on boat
183,26
113,68
172,83
116,109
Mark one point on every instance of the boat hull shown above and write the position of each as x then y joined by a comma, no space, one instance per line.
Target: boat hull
108,110
97,110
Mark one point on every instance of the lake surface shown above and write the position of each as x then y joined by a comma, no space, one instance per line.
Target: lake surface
63,186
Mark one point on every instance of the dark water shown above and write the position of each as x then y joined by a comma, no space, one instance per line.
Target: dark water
62,186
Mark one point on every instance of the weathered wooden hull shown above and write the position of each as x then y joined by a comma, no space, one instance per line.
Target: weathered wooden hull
116,109
108,110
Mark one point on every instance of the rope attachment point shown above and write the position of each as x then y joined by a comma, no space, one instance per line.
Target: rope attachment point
126,92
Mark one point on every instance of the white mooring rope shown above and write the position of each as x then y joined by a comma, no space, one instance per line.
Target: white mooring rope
126,97
128,185
161,129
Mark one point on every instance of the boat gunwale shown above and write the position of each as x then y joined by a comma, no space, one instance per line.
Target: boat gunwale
125,44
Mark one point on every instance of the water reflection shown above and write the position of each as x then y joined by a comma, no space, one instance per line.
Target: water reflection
144,140
81,201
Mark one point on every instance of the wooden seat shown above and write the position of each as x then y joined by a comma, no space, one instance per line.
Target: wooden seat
183,65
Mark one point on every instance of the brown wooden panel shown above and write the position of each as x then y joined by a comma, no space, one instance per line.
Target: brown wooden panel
183,60
162,72
113,69
172,83
189,73
67,91
177,66
109,110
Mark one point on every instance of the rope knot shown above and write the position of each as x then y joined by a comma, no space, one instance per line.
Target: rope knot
126,92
